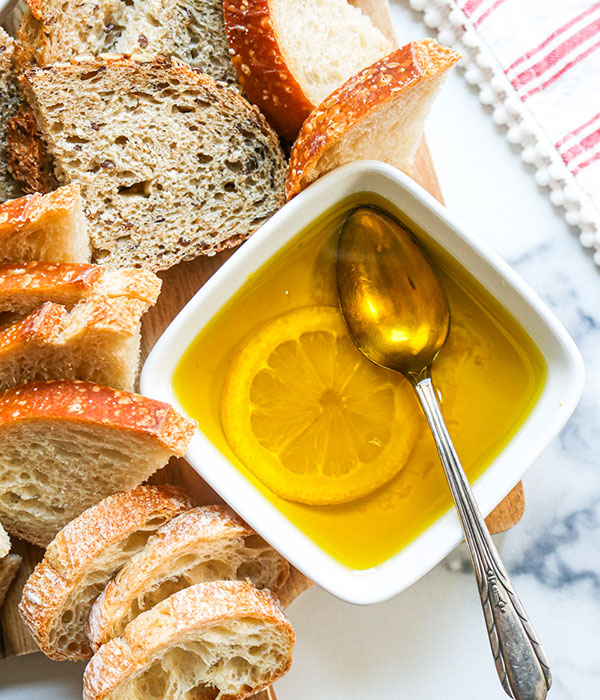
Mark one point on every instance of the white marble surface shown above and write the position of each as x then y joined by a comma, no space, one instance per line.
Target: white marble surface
429,642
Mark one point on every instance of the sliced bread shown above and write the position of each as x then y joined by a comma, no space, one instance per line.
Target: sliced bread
222,639
25,286
171,164
4,542
193,30
83,557
205,544
44,227
65,445
377,114
9,565
98,341
291,55
9,100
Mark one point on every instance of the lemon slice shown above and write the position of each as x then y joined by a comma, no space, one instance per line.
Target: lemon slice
313,419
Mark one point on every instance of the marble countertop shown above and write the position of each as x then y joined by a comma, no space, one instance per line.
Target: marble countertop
430,641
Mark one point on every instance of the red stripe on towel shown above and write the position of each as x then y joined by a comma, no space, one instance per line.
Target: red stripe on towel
488,12
584,145
566,137
585,163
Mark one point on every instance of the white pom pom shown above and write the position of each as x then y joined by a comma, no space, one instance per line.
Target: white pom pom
514,134
570,194
470,38
556,197
418,5
542,177
528,154
484,60
487,96
456,18
473,75
500,116
498,83
587,238
432,17
572,217
586,215
555,170
445,36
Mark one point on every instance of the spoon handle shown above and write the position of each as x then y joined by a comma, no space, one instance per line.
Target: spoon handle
520,660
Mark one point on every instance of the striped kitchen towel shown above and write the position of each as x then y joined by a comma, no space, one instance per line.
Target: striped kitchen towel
537,64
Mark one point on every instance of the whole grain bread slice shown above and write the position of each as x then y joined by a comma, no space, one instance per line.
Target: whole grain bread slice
221,639
44,227
170,163
377,114
291,55
9,101
83,557
24,287
192,30
65,445
98,341
205,544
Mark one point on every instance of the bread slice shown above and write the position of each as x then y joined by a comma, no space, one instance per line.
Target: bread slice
4,542
9,100
83,557
44,227
291,55
377,114
98,341
205,544
25,286
222,639
171,164
65,445
9,565
193,31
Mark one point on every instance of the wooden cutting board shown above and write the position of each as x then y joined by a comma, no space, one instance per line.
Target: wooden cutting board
179,285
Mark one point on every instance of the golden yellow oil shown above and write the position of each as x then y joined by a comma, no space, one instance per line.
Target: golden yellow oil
489,375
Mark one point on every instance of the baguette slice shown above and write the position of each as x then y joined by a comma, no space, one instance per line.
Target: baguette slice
222,639
44,227
9,565
9,100
205,544
98,341
65,445
171,164
83,556
25,286
192,30
377,114
290,55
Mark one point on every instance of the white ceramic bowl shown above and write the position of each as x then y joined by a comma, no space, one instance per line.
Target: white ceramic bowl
557,400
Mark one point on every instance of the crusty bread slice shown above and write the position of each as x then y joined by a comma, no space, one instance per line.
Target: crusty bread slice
25,286
4,542
222,639
9,565
9,100
171,164
98,341
290,55
64,445
205,544
377,114
44,227
193,30
83,557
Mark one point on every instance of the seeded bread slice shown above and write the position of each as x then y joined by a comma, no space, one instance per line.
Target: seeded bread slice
205,544
221,640
83,557
44,227
98,341
9,565
24,287
64,445
9,101
193,30
377,114
171,164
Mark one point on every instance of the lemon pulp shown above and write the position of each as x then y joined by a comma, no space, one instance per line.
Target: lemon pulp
310,417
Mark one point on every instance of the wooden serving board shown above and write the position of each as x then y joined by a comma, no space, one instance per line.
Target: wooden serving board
179,285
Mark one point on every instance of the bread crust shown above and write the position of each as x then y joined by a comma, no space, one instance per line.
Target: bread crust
196,608
188,532
73,551
9,565
28,160
260,62
35,210
358,98
24,285
85,402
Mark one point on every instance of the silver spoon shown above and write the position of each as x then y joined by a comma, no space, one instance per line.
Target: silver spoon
398,316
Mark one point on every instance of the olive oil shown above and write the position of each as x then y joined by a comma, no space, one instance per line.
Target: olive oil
489,375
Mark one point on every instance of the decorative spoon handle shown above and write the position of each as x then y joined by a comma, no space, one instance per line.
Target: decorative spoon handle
520,660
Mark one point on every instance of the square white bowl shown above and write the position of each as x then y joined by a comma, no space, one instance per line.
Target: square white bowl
557,400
